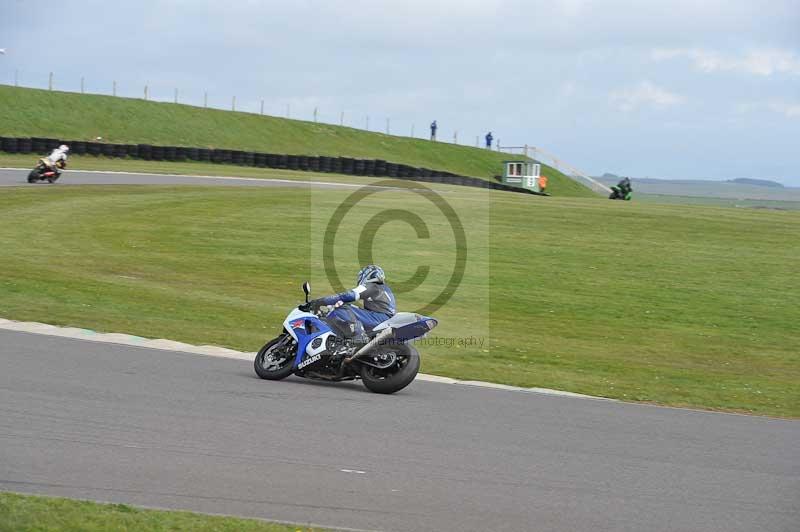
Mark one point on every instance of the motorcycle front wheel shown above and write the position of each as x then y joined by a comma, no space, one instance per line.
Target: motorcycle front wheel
395,377
33,176
275,360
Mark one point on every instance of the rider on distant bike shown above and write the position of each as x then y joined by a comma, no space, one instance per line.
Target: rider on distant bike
622,190
57,158
379,303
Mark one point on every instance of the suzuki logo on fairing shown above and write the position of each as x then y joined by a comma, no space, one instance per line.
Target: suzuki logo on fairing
308,361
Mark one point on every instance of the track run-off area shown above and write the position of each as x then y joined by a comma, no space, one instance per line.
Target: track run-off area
167,429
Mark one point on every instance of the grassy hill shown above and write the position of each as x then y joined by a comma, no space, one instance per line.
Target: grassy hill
33,112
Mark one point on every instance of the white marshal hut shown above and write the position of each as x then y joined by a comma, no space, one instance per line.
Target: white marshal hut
523,174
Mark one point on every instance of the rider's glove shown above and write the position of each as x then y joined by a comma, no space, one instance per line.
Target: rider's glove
310,306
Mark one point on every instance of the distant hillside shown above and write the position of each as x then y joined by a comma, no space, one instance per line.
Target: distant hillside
41,113
756,189
756,182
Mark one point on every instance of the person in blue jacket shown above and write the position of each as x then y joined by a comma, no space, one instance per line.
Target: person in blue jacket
379,303
434,127
489,139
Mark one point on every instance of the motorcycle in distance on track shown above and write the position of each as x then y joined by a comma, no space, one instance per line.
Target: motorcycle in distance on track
311,347
621,191
43,172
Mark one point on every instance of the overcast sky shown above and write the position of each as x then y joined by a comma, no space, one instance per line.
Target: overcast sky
674,88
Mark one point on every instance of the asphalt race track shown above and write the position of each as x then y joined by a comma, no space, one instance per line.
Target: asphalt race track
163,429
13,177
174,430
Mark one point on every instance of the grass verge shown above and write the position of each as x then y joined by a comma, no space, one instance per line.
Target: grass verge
22,513
29,112
744,203
675,305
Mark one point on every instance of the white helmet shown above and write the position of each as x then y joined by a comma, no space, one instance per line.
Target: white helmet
64,148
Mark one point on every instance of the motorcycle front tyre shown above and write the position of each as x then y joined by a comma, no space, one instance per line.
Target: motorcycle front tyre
286,366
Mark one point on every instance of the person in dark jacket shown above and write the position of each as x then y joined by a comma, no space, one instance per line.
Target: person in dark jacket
434,127
489,139
379,303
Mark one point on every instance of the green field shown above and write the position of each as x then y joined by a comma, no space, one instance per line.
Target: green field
29,513
778,205
30,112
678,305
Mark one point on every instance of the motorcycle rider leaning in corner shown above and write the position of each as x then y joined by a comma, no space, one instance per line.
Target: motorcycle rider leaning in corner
379,304
57,158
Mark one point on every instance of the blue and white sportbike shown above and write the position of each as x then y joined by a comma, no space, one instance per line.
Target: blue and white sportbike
311,347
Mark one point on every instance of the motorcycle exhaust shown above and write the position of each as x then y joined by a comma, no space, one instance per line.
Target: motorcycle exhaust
383,335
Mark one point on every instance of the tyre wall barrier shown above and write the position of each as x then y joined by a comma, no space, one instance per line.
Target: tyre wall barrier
24,145
39,145
78,148
9,145
321,163
94,148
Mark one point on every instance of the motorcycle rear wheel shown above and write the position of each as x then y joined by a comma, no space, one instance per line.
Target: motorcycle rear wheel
396,377
274,361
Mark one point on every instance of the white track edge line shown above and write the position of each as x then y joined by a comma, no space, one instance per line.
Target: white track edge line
222,352
198,176
235,178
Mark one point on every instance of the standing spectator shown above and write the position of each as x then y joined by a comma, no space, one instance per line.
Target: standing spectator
489,139
542,183
433,130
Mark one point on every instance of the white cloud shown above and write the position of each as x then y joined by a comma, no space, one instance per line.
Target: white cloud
791,110
788,109
761,62
644,94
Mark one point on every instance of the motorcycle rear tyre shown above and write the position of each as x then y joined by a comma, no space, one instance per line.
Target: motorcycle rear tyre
397,381
272,375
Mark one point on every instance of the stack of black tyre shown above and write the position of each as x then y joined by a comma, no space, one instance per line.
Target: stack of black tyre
321,163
